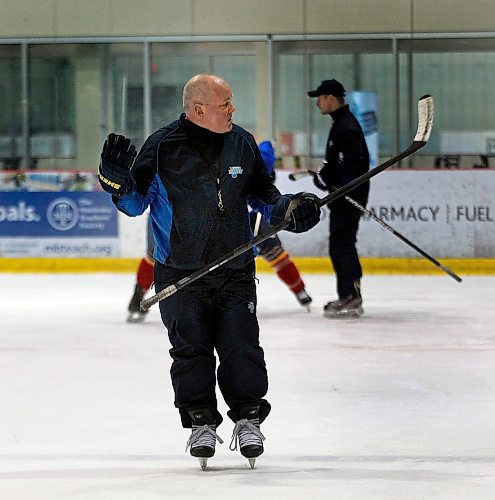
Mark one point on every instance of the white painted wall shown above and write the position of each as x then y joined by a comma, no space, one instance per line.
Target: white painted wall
132,235
60,18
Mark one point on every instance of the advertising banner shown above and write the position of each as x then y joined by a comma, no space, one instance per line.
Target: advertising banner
446,213
56,222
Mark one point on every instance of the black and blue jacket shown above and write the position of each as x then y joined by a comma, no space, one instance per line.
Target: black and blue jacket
198,184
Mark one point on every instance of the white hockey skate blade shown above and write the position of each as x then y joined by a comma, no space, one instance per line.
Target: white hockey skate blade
344,313
252,461
203,462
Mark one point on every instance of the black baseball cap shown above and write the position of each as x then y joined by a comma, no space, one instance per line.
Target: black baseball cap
328,87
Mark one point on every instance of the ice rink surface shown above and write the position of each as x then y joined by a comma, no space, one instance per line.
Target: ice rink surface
399,404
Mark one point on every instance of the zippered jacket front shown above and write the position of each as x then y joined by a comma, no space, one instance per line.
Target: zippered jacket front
198,184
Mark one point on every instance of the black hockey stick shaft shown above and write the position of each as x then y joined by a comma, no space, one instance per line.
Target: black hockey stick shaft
179,285
382,223
425,123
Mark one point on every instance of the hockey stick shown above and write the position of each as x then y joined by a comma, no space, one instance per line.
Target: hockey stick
425,124
305,173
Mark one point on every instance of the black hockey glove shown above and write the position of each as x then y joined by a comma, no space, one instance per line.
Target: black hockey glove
318,181
301,209
116,161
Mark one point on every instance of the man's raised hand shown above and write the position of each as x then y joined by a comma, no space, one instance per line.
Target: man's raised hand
116,160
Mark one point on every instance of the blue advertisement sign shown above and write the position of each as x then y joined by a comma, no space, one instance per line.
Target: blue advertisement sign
363,106
61,214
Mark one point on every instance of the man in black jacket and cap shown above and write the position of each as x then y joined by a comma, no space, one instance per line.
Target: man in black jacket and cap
346,158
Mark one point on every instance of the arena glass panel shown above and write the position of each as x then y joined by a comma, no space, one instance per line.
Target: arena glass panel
52,71
173,64
10,106
301,66
123,74
459,74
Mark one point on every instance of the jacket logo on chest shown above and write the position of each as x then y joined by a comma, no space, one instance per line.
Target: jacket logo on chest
235,171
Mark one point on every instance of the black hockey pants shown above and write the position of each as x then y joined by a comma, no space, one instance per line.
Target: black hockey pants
344,222
216,312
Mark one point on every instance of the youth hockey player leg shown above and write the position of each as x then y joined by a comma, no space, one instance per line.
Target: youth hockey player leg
135,313
273,252
144,280
203,435
247,434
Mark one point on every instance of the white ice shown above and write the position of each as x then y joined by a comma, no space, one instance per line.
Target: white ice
399,404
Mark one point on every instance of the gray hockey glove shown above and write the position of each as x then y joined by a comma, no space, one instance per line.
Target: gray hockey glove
116,160
301,209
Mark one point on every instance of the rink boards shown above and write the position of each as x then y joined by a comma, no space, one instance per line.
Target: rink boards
449,214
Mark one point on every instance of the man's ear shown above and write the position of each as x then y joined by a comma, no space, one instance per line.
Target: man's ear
198,109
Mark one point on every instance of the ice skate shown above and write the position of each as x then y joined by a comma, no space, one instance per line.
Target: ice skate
350,307
203,462
135,313
136,317
304,299
247,434
203,436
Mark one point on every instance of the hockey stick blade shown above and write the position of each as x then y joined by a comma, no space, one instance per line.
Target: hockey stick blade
425,119
425,123
301,174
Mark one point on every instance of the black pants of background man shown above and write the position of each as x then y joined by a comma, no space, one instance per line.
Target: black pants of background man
344,222
216,312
